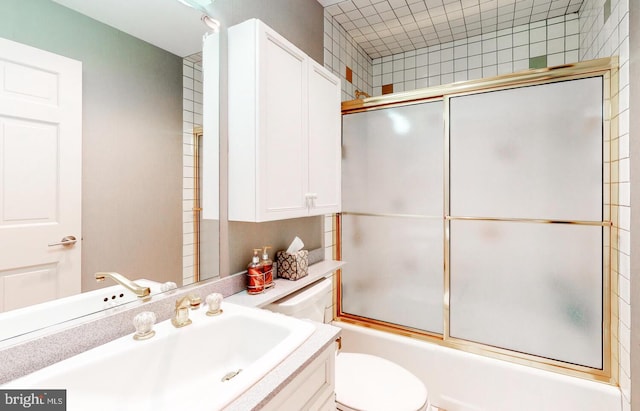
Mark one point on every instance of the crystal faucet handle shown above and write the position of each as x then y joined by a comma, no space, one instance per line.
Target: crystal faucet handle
168,286
144,325
213,303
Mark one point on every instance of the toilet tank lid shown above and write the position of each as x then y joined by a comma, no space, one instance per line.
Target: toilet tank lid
307,294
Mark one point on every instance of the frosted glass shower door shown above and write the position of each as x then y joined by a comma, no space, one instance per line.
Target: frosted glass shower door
521,159
392,225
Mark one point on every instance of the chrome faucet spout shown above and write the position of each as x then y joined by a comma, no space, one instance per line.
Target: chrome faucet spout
124,281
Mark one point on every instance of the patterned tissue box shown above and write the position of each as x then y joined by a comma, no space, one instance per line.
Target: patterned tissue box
292,266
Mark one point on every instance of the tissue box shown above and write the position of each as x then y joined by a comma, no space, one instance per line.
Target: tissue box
292,266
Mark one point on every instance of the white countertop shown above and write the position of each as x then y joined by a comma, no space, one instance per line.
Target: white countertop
285,287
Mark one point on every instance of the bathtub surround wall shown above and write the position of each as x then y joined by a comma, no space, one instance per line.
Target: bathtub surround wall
604,37
545,43
340,52
131,127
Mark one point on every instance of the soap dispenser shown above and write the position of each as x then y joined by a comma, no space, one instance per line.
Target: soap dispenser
255,276
267,268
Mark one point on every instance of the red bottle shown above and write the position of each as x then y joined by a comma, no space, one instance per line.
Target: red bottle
267,268
255,276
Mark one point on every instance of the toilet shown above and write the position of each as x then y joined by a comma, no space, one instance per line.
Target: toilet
363,382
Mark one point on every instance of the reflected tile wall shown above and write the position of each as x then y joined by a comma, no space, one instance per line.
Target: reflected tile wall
192,117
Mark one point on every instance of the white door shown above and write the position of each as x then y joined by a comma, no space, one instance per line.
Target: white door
40,175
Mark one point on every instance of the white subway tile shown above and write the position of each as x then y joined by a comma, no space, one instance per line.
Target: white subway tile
475,62
475,73
537,35
571,56
489,45
460,64
460,51
520,65
422,83
537,49
446,54
474,49
489,59
555,59
421,60
490,71
555,31
521,52
446,68
505,68
398,65
410,74
505,56
555,46
460,76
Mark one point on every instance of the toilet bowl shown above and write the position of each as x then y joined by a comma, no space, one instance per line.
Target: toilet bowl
363,382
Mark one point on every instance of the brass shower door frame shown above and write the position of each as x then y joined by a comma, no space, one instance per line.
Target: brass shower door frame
197,207
608,69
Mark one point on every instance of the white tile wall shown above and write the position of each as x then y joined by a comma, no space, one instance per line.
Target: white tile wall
500,52
600,38
340,51
192,117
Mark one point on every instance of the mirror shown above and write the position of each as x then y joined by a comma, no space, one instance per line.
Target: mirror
141,104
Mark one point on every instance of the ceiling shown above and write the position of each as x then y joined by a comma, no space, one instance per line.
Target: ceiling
380,27
167,24
385,27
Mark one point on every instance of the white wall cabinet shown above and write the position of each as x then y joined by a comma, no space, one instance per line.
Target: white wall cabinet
284,129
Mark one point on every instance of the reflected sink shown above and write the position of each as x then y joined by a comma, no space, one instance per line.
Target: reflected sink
36,317
205,365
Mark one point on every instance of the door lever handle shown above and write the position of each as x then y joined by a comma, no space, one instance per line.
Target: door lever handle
66,241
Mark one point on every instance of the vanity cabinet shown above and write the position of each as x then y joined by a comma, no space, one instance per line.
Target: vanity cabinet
312,389
284,129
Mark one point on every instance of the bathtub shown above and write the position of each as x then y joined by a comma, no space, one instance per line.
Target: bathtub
461,381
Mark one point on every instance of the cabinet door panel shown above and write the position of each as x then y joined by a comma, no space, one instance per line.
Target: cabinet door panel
283,150
324,140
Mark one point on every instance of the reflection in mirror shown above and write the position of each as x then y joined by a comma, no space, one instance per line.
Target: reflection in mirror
140,105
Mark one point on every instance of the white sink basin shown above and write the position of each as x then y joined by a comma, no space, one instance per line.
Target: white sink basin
179,368
16,323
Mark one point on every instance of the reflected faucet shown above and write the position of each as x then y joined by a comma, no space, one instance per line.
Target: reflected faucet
124,281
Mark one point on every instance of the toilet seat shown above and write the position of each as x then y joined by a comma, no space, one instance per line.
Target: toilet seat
369,383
